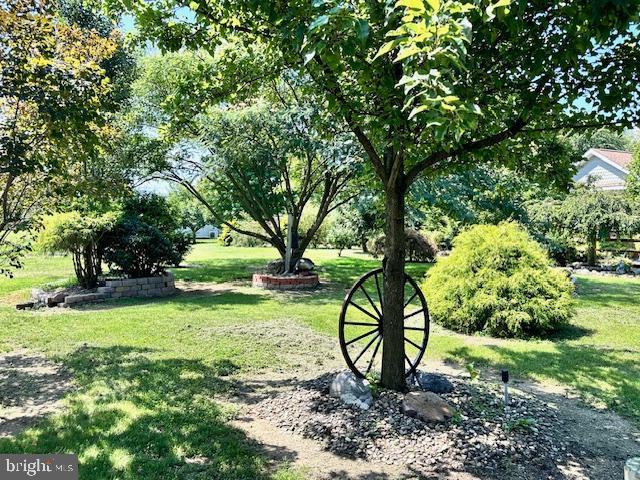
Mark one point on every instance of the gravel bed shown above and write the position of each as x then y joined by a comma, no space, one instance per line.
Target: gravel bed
480,438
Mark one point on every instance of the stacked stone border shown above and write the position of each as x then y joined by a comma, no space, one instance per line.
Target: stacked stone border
285,282
126,288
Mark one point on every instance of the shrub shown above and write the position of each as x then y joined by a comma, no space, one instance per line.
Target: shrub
418,247
79,234
138,249
341,236
182,243
498,281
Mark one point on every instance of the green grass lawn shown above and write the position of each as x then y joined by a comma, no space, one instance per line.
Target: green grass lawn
149,372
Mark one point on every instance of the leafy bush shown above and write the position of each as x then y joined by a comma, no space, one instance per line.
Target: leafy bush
498,281
182,243
341,236
138,249
81,235
418,247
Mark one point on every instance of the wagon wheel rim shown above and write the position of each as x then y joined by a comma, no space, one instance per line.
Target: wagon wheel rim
361,320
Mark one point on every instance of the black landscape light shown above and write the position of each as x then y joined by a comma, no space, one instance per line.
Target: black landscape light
505,381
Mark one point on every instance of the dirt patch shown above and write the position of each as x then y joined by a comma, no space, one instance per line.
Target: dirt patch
296,347
31,386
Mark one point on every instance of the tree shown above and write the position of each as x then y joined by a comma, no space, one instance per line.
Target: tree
53,96
341,236
429,85
262,159
600,138
490,193
588,214
80,235
632,182
146,238
363,216
190,213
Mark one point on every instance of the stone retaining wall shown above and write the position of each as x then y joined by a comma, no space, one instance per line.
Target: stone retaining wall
285,282
126,287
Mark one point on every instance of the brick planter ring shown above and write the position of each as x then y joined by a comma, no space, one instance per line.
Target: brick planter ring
285,282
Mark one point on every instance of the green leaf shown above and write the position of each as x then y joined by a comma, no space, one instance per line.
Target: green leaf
407,52
194,6
434,4
362,29
412,4
309,56
319,22
417,110
386,48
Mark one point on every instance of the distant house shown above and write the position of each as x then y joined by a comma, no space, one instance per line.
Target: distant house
605,169
208,231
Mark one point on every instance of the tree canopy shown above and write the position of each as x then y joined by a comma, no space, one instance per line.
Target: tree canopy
427,85
258,159
55,95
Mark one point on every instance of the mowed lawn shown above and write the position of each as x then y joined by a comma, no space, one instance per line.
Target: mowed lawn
149,373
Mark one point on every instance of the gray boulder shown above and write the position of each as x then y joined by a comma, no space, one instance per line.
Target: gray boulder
275,267
432,382
304,265
351,390
426,406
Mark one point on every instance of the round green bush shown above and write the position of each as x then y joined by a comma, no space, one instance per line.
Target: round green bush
499,281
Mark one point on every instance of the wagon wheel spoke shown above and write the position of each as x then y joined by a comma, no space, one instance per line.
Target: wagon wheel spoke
375,351
420,329
362,324
366,294
360,337
413,314
366,312
412,343
379,291
408,361
415,294
366,348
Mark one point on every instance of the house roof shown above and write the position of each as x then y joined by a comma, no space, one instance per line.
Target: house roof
617,158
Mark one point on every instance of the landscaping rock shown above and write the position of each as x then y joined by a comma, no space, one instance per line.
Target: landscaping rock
426,406
432,382
632,469
304,265
351,390
482,439
275,267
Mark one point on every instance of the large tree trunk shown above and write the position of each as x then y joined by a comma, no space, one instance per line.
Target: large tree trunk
393,306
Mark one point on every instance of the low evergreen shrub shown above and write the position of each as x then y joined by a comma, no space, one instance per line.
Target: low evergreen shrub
499,281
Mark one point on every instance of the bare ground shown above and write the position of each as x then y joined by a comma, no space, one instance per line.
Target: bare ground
31,386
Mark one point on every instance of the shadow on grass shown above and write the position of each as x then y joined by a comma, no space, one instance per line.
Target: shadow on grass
189,300
219,270
610,377
143,418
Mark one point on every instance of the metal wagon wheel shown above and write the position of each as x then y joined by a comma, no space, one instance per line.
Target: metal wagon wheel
361,323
